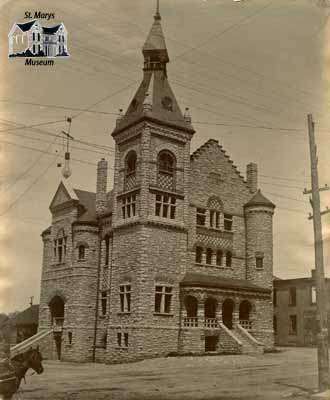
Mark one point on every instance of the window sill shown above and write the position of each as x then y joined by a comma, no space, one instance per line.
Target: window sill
124,313
82,260
101,316
212,265
163,314
122,348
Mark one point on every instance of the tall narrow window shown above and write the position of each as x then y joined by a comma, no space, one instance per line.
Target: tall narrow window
125,298
209,253
228,222
199,254
214,219
166,170
293,325
259,262
128,206
292,296
104,298
81,252
275,297
33,36
163,297
219,257
126,339
200,216
313,295
229,259
165,206
107,250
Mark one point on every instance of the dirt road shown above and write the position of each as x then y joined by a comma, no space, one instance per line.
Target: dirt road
288,374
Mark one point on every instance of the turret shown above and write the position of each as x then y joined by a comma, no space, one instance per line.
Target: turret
259,240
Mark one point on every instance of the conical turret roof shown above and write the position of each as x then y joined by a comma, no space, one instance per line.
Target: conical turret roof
259,200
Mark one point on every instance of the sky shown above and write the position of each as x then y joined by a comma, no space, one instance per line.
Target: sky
249,71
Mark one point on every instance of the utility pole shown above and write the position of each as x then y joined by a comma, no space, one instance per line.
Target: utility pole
322,335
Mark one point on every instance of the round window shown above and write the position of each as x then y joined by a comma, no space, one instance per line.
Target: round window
167,103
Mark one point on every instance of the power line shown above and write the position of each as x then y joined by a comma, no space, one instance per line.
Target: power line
29,187
47,152
282,185
57,107
30,167
286,197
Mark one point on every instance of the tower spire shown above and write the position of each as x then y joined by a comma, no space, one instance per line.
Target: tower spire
157,15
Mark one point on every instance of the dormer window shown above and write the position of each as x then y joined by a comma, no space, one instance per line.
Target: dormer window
166,170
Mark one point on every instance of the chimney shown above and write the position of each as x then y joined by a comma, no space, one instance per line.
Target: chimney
101,187
252,176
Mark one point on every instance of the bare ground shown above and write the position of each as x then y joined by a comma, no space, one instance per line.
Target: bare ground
291,373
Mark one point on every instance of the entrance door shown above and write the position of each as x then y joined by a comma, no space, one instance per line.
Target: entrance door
211,343
58,344
227,313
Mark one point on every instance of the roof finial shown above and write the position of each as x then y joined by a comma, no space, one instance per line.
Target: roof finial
157,15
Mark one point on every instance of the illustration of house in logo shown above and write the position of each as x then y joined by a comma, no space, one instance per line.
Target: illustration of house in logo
30,39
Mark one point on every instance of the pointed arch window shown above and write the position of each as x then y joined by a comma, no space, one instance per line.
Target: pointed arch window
166,170
130,170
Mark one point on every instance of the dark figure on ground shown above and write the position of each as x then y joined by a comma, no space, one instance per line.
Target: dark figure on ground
12,371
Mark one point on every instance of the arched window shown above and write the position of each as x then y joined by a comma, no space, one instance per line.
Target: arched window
199,254
130,170
166,169
209,253
130,163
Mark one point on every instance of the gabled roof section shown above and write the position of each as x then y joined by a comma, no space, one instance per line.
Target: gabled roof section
259,200
28,317
51,30
193,279
87,200
26,26
215,144
64,193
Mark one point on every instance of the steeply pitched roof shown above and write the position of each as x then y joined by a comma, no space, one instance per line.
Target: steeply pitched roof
26,26
156,40
87,200
50,30
259,200
203,280
27,317
154,92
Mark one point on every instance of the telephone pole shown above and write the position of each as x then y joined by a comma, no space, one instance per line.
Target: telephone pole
322,335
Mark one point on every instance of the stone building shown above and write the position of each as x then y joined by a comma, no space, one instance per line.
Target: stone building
176,258
295,322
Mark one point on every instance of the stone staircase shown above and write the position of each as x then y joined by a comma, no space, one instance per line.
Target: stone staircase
28,343
250,345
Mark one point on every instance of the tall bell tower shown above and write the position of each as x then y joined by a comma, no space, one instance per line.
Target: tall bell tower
150,212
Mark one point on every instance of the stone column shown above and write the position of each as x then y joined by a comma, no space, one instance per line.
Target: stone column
200,310
214,258
236,312
219,310
204,256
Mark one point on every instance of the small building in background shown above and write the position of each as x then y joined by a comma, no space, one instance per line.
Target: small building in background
295,322
21,326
